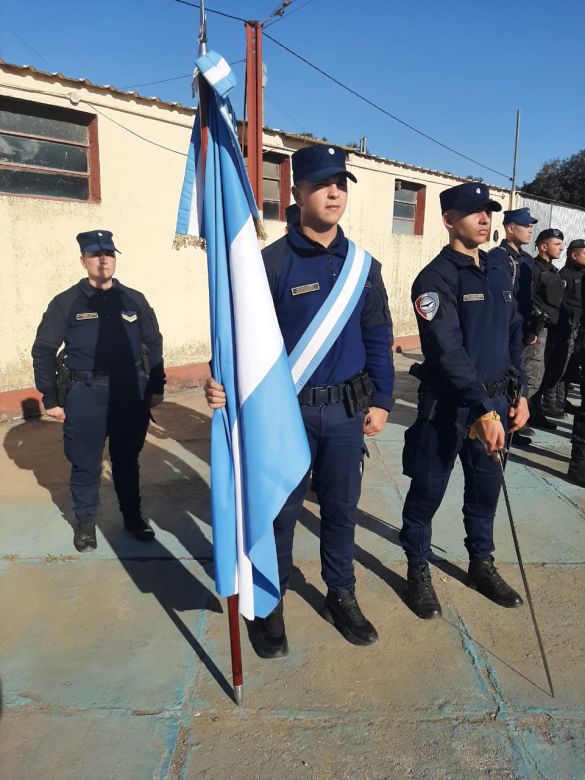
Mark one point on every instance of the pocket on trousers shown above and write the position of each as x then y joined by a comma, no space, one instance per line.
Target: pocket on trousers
417,440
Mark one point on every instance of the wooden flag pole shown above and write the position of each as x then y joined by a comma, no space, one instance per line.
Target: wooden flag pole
232,601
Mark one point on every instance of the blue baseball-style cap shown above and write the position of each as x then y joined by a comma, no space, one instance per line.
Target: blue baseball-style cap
96,241
319,162
521,217
469,197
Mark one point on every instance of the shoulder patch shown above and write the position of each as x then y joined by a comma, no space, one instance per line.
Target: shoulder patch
427,305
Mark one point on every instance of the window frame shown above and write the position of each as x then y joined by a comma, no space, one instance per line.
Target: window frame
283,161
46,111
419,206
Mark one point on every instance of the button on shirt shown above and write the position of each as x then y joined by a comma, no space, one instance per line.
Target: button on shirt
301,274
472,333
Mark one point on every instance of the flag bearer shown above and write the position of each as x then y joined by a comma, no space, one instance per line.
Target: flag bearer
111,376
346,387
471,338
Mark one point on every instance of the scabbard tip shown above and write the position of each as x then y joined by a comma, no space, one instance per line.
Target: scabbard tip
238,694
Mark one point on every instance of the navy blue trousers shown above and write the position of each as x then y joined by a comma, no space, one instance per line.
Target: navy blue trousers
430,450
336,443
92,413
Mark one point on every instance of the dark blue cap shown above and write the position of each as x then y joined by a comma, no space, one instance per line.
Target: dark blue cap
521,217
468,197
293,214
96,241
319,162
544,235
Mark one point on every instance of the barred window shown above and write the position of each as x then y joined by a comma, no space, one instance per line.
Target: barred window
409,208
48,151
275,185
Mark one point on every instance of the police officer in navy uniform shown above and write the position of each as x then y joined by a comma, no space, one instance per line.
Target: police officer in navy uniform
302,268
471,338
518,229
113,367
547,298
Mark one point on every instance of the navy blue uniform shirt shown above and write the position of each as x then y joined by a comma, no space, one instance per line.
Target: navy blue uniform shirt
470,329
521,266
366,340
93,324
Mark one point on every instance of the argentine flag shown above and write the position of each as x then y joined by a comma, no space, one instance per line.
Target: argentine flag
259,449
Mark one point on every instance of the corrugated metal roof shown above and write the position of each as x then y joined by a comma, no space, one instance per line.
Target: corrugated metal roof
179,106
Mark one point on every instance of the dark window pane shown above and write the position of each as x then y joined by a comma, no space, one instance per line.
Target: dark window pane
403,227
404,210
271,189
406,196
42,154
38,125
270,169
271,210
53,185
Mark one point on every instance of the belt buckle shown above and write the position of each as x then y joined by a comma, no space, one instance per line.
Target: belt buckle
320,396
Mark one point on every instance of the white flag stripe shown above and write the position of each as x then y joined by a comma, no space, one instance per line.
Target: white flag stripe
257,330
332,316
196,208
244,584
217,72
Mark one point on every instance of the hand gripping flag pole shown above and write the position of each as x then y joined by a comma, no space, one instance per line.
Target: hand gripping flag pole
250,480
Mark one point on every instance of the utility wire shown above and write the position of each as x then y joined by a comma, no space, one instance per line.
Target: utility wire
173,78
383,110
290,13
211,11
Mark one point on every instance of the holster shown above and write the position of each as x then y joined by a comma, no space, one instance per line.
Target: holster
513,391
357,394
62,378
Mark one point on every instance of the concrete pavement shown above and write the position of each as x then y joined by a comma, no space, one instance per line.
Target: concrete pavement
115,664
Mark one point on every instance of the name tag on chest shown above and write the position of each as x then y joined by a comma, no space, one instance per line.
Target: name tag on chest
87,315
473,297
305,288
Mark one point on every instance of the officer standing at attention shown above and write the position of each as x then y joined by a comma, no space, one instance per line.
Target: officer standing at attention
113,369
518,229
339,402
547,297
471,338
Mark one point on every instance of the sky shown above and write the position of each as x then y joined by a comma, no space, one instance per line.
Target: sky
456,70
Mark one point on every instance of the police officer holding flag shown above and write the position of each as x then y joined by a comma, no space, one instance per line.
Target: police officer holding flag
471,338
346,389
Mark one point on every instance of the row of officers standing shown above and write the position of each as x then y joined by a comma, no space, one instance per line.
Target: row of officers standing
481,318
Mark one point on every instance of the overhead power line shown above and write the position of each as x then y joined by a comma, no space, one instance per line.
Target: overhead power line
383,110
212,11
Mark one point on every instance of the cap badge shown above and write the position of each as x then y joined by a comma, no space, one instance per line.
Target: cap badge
478,190
331,151
555,232
100,234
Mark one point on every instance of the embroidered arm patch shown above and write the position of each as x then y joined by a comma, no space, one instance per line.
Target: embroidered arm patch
427,305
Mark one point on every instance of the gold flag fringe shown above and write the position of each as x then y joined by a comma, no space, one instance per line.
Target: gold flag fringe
260,232
181,241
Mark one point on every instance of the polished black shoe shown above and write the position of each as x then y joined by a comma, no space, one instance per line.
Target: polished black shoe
540,421
84,537
520,440
420,595
342,610
556,412
526,430
268,635
485,578
576,473
139,528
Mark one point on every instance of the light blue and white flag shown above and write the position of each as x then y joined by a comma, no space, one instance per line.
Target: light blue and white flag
259,449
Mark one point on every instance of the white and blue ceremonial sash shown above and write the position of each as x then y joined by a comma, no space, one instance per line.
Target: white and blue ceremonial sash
332,317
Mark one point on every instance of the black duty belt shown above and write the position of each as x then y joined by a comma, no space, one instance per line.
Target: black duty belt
321,396
86,376
496,388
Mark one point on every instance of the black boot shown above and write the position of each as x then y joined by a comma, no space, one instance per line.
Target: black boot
139,528
538,418
576,471
421,595
485,578
342,610
268,635
520,440
84,537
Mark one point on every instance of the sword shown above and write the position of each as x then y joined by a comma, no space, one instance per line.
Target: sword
501,457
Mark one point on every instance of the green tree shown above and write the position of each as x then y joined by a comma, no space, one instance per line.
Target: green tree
562,180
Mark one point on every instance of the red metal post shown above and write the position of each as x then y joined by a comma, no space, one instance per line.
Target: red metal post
254,106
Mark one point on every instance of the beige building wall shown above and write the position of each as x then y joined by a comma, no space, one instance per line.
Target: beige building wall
142,145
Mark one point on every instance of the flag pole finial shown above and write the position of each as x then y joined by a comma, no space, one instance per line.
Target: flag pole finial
202,30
